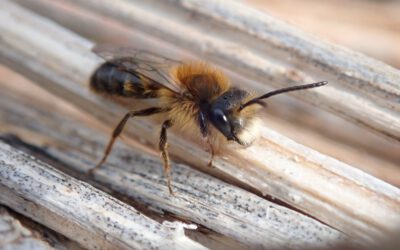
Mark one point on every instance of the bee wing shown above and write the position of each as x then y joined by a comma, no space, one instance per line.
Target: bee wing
132,60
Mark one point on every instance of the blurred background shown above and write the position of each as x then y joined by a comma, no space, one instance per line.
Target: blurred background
368,26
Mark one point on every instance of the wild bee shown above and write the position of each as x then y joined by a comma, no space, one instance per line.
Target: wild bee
193,95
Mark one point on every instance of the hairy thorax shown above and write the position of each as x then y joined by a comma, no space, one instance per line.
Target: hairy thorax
201,85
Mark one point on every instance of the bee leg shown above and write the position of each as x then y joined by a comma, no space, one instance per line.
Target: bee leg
210,163
203,124
164,153
118,129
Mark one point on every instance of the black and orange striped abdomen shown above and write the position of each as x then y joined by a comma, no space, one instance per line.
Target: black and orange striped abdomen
108,79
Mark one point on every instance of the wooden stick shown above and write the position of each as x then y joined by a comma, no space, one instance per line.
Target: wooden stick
78,210
333,192
13,235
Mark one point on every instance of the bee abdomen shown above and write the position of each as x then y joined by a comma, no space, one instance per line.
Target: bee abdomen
110,80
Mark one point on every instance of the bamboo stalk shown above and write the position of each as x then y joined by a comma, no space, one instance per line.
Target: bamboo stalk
333,192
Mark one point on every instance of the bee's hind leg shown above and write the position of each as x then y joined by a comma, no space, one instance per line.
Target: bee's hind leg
118,129
164,153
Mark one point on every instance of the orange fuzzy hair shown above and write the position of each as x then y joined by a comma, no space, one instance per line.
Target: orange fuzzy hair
196,76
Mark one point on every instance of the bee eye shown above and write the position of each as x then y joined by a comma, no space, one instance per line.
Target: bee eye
221,117
221,121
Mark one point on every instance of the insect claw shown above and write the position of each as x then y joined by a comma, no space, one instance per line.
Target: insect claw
91,171
171,192
170,187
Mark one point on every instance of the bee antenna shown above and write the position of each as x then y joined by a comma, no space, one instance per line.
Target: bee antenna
283,90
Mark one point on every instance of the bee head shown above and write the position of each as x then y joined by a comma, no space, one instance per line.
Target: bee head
234,112
234,122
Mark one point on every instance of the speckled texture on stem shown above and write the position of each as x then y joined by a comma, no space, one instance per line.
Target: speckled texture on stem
76,209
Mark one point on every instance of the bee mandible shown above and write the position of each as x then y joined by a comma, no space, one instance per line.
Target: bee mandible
194,96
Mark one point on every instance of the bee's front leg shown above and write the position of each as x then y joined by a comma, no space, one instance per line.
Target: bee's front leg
164,153
203,124
212,152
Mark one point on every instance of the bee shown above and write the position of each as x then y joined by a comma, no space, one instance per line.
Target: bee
194,96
